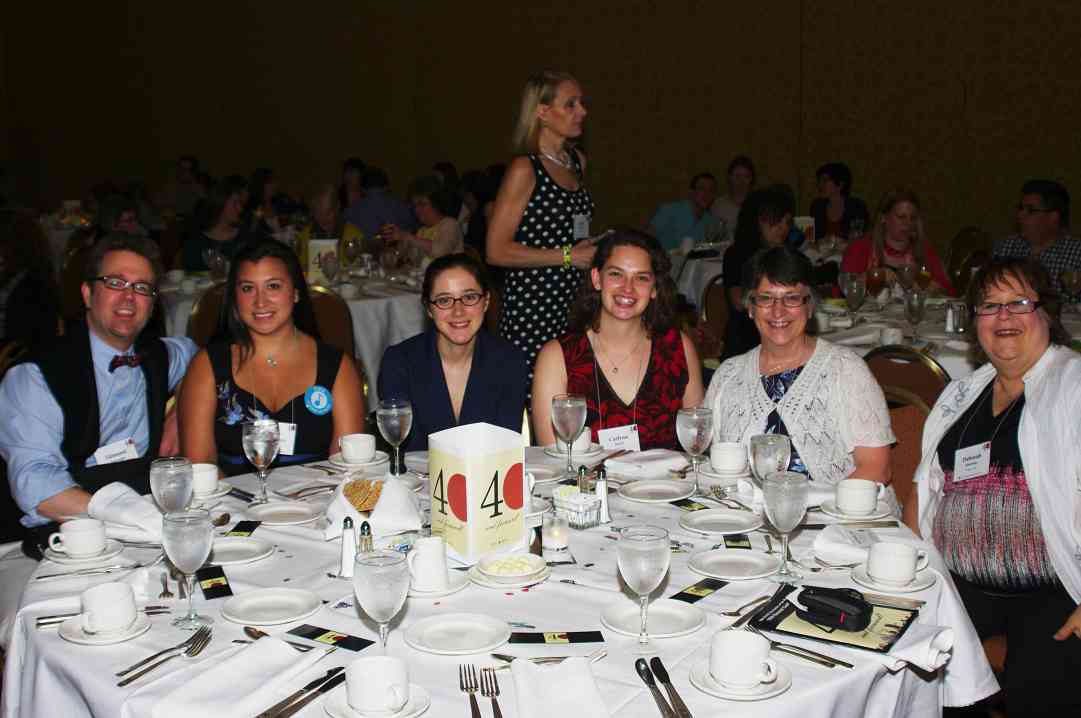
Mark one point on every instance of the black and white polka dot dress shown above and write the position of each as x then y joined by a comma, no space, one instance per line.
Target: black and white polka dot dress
536,299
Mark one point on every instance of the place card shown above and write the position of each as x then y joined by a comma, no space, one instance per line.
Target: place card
688,505
331,638
213,582
696,592
737,541
243,528
553,638
886,627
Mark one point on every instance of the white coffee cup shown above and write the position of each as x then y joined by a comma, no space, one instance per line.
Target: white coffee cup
79,538
858,497
728,456
895,564
188,286
428,564
108,608
581,444
740,660
892,335
204,479
347,291
357,448
822,321
175,276
377,685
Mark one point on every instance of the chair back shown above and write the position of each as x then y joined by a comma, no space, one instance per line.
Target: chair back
333,319
9,354
908,413
714,316
204,315
905,368
71,283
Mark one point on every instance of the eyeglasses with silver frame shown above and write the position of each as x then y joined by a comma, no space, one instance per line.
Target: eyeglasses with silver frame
118,284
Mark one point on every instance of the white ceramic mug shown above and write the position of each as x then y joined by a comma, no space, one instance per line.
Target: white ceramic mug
175,276
822,321
428,564
581,444
357,448
740,660
892,336
347,291
895,564
79,538
377,685
108,608
204,479
728,456
858,497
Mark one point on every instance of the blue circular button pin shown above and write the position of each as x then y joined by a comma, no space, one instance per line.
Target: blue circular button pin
318,400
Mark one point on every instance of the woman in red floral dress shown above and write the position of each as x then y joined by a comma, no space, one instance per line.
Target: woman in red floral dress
623,353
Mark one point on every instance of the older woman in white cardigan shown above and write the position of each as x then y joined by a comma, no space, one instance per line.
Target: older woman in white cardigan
822,396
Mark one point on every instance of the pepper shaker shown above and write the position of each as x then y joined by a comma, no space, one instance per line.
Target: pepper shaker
349,548
583,479
365,544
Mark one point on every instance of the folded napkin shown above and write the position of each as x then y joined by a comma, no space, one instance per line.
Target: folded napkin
566,688
835,545
127,515
652,464
247,682
396,511
864,336
926,647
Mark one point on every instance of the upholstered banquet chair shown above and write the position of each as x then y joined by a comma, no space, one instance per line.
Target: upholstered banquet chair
908,412
713,320
333,319
901,366
204,315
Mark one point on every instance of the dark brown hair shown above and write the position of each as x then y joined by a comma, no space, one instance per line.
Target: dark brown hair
1001,272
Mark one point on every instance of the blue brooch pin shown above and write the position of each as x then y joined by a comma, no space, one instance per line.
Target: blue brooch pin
318,400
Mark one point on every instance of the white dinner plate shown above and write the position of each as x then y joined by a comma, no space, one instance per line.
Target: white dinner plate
705,682
593,452
481,580
270,606
337,459
230,550
72,630
829,507
656,491
720,522
544,474
668,618
958,345
283,513
734,564
924,579
111,550
337,704
220,492
457,634
458,581
417,461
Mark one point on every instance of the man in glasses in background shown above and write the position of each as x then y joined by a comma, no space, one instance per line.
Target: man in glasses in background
1043,218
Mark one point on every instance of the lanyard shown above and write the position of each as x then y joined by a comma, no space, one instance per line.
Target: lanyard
1005,414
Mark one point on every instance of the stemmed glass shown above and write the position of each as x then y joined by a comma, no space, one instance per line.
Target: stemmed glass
876,282
381,583
260,440
1070,280
914,304
395,420
187,538
785,498
769,453
328,262
694,427
170,483
855,291
856,228
350,252
643,555
906,275
568,420
923,276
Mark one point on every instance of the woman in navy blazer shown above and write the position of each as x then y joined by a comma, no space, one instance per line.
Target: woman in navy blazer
455,373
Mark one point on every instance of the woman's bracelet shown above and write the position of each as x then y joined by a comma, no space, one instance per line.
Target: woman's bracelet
566,256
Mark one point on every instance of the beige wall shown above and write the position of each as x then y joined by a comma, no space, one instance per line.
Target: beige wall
959,100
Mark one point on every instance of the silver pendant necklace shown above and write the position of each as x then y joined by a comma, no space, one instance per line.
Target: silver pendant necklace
564,163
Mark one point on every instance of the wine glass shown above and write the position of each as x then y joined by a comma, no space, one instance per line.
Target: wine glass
914,304
769,453
856,227
187,538
328,262
380,584
643,555
1070,280
694,427
395,419
785,497
906,275
350,251
170,483
876,282
568,420
923,276
260,440
855,291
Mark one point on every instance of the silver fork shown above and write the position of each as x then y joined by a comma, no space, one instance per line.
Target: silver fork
489,688
201,640
467,682
178,647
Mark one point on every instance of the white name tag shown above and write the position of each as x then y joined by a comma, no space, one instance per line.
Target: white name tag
581,227
972,461
115,452
619,438
287,438
859,537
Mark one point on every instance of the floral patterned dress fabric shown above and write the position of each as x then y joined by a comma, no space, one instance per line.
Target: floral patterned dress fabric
775,386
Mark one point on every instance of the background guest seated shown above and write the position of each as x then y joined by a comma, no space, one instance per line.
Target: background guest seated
436,206
835,209
217,227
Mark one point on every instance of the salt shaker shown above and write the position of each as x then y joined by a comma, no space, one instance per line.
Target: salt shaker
365,544
349,548
602,494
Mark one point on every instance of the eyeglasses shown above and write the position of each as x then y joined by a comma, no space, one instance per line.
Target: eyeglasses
1029,209
143,289
1017,306
789,301
469,299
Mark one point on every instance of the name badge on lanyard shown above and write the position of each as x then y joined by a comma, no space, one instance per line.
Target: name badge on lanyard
116,452
287,438
972,461
619,438
581,227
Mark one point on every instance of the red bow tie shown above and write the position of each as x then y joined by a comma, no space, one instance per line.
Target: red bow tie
124,360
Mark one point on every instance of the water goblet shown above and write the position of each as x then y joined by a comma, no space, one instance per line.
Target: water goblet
1070,280
260,439
694,427
876,282
568,420
906,275
187,537
350,252
643,556
769,453
923,276
785,498
914,304
856,227
328,262
381,584
395,420
855,291
171,483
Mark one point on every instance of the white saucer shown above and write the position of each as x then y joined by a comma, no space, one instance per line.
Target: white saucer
336,459
112,549
270,606
220,492
829,507
705,682
337,705
924,579
594,451
734,564
457,634
231,550
656,491
720,522
283,513
544,474
667,618
458,580
481,580
72,630
707,469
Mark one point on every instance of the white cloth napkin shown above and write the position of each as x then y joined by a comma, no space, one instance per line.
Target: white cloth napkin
858,337
396,511
238,685
652,464
832,545
562,689
926,647
127,515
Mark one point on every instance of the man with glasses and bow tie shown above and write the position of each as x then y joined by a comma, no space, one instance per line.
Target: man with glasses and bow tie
1043,218
90,409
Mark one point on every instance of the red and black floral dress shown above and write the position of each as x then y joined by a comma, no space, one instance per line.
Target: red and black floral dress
660,395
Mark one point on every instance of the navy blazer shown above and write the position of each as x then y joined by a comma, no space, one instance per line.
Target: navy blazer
494,393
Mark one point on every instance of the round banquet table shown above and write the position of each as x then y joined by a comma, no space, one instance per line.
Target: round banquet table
47,676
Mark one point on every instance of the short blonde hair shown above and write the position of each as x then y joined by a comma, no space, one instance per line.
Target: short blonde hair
540,89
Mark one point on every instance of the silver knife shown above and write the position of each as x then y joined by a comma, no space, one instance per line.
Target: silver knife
280,705
98,570
662,675
328,686
853,525
779,595
647,677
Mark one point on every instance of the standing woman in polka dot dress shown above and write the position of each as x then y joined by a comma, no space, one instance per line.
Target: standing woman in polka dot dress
540,223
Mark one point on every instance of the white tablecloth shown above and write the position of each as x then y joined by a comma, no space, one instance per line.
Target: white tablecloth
696,276
46,676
